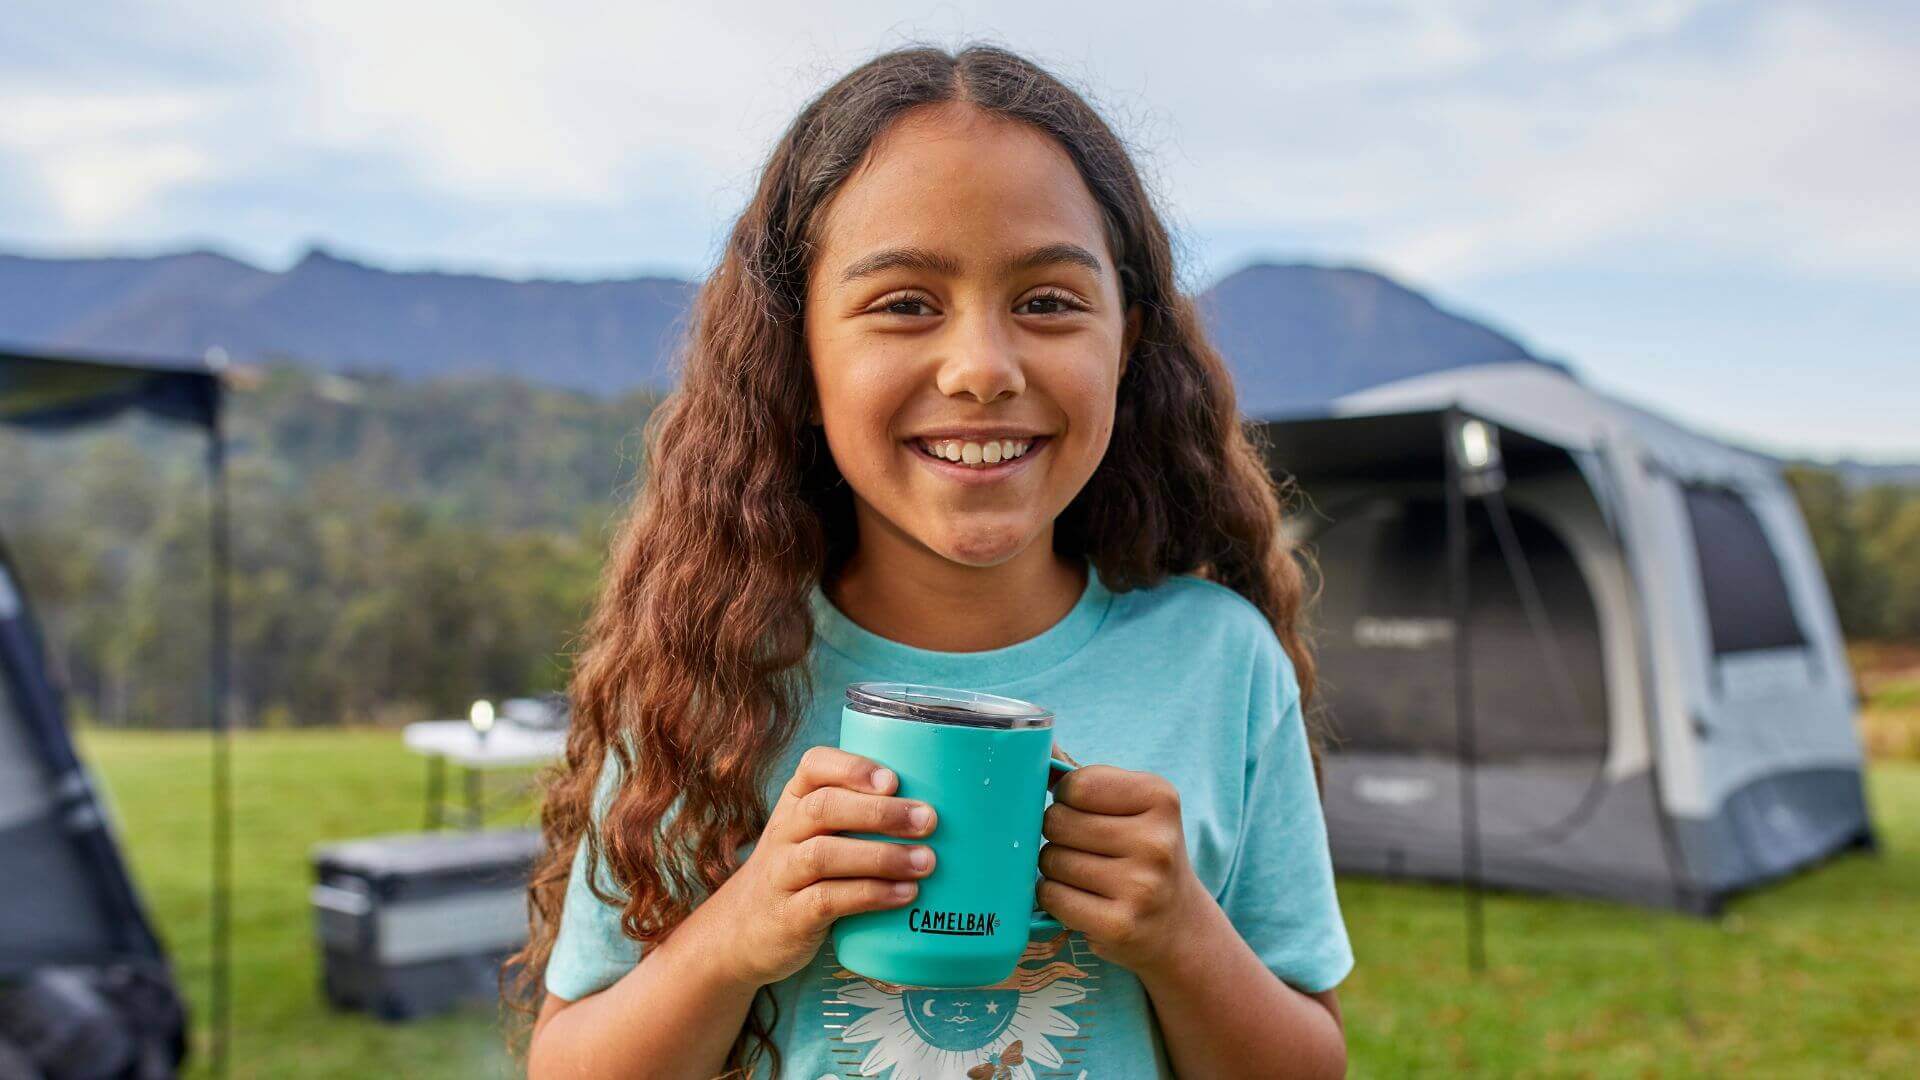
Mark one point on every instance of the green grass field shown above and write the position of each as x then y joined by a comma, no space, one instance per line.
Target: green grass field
1819,976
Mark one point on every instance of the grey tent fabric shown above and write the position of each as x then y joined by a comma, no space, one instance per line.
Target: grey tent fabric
70,900
1394,667
86,987
1672,727
67,898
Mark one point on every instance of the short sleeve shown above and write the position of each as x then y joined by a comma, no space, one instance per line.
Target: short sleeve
1279,892
590,953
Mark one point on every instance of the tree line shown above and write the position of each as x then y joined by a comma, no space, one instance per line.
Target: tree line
1869,544
400,548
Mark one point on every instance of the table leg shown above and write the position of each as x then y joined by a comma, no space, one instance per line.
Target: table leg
436,791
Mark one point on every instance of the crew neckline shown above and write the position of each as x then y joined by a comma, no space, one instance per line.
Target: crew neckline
974,670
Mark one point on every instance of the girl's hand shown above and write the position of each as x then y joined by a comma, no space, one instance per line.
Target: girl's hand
776,909
1116,865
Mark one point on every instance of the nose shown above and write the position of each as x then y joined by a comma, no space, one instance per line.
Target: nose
981,361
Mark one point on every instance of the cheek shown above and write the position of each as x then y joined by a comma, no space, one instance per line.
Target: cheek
1086,395
859,393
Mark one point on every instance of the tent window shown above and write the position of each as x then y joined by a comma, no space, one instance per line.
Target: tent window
1747,602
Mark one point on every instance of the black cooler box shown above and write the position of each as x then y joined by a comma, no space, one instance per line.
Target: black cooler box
414,923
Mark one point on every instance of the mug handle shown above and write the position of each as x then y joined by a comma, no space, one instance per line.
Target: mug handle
1055,767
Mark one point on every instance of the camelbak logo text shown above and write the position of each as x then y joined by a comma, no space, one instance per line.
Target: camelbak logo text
966,923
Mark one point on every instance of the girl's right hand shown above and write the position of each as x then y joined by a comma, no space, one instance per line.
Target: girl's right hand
778,906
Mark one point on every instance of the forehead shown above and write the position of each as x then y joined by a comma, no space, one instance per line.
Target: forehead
957,179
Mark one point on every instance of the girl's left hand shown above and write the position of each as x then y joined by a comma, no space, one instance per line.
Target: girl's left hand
1116,865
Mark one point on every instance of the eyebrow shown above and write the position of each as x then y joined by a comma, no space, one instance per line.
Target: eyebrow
918,258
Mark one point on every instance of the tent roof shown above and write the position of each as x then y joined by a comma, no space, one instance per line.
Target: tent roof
1551,407
1394,447
47,390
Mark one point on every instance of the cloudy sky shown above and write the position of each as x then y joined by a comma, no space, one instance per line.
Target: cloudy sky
1712,208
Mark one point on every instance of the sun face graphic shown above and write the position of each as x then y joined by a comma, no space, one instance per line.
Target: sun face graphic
1000,1031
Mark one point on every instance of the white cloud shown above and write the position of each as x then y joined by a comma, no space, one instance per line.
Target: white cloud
101,157
1440,139
1790,143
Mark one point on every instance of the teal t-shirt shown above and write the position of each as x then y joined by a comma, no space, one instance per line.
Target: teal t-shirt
1186,680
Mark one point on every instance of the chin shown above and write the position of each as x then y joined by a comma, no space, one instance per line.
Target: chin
988,547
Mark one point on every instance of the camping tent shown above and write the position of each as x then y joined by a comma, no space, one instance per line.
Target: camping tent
1647,698
85,986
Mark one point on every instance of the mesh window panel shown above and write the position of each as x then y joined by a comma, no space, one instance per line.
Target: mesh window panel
1747,602
1385,638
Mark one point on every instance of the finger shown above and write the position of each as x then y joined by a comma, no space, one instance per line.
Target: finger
831,856
1059,754
1102,834
831,898
1098,874
1105,789
836,809
830,766
1077,909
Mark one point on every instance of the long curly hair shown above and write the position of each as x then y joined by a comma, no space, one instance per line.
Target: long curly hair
692,672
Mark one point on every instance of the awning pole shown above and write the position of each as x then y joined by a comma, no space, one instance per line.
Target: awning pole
1463,695
219,660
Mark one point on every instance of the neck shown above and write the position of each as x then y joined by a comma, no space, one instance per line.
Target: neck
896,587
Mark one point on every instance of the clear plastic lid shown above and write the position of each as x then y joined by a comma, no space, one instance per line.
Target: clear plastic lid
941,705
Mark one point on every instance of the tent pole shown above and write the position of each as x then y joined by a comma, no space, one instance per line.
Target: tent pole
221,1020
1463,717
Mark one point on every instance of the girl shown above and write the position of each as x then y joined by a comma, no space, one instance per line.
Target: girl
945,418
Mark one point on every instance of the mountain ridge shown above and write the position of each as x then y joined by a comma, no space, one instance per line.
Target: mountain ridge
1296,334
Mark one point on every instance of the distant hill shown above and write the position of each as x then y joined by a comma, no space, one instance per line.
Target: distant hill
1295,334
1299,335
337,315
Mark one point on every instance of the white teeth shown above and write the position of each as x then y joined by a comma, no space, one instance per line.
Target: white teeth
991,452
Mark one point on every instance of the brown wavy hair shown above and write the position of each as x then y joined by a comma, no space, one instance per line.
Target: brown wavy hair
696,650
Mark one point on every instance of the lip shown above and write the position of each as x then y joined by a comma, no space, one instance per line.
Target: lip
972,474
979,434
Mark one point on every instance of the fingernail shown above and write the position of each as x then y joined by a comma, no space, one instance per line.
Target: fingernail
920,816
903,889
921,858
882,779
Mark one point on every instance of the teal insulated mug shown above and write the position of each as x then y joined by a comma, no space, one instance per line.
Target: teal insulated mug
982,762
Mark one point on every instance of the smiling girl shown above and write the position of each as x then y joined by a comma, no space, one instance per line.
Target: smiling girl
945,418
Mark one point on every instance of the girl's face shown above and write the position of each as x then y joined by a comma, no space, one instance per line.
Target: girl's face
963,304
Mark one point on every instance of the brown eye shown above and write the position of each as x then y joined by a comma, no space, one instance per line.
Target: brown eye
1057,303
903,304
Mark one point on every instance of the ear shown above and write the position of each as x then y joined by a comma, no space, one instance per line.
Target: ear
1131,336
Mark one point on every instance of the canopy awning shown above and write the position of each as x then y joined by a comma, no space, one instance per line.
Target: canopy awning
44,390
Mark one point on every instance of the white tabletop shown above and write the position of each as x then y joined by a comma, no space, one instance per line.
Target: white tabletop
506,746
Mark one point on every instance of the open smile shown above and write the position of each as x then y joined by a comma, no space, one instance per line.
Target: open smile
978,461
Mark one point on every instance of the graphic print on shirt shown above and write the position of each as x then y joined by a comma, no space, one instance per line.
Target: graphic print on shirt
1030,1025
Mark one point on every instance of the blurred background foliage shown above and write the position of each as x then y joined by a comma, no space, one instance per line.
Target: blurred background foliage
398,548
402,547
